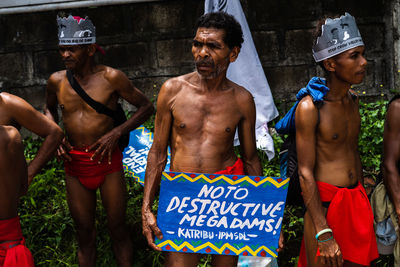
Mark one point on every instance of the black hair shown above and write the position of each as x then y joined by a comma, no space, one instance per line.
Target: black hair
318,31
221,20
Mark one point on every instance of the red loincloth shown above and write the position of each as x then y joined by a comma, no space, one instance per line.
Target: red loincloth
90,173
236,168
13,253
351,220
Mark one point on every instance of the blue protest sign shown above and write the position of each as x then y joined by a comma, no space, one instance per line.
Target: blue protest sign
135,154
221,214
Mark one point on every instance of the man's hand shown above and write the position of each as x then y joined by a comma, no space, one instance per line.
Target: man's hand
281,242
149,225
105,146
330,253
63,149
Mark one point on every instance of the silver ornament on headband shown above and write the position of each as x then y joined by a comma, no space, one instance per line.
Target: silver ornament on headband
338,35
72,32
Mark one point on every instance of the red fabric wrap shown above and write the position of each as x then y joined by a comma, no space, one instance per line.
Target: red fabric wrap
13,253
90,173
236,168
351,220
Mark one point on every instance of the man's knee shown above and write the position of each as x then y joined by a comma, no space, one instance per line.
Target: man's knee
118,230
85,229
86,236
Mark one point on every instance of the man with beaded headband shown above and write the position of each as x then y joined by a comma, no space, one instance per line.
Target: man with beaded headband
91,155
338,223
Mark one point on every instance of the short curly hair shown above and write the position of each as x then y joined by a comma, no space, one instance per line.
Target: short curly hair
221,20
318,32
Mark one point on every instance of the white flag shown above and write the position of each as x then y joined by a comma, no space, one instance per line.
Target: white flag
247,71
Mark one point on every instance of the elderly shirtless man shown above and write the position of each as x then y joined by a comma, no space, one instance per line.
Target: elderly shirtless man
197,114
91,153
338,223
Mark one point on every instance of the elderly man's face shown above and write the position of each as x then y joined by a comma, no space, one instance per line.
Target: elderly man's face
73,55
211,55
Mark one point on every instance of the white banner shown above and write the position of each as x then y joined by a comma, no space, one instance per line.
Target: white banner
247,71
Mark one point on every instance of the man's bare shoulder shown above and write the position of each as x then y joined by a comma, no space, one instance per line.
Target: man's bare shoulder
241,93
111,74
7,98
306,105
56,78
393,113
394,106
174,85
12,105
306,111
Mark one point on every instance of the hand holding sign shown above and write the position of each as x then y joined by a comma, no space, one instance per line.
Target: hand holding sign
150,228
221,214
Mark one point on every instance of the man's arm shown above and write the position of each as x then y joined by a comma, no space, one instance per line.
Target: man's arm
391,154
246,132
306,123
25,115
125,89
50,111
156,161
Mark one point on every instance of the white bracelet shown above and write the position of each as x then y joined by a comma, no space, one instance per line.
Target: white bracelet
326,230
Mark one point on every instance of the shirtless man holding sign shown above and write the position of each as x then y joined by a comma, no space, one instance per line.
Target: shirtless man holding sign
197,114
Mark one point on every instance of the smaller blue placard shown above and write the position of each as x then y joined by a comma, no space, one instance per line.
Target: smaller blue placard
135,154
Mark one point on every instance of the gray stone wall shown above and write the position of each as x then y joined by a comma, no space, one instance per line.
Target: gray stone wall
151,42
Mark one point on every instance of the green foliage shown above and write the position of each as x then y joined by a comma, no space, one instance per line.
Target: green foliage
149,124
31,148
45,219
292,227
271,168
371,136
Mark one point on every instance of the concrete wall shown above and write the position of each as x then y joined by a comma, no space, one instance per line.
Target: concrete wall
151,42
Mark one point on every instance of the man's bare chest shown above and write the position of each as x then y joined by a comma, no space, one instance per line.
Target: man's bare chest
339,125
70,101
202,114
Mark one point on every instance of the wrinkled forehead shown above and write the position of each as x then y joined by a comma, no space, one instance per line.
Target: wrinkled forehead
203,34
